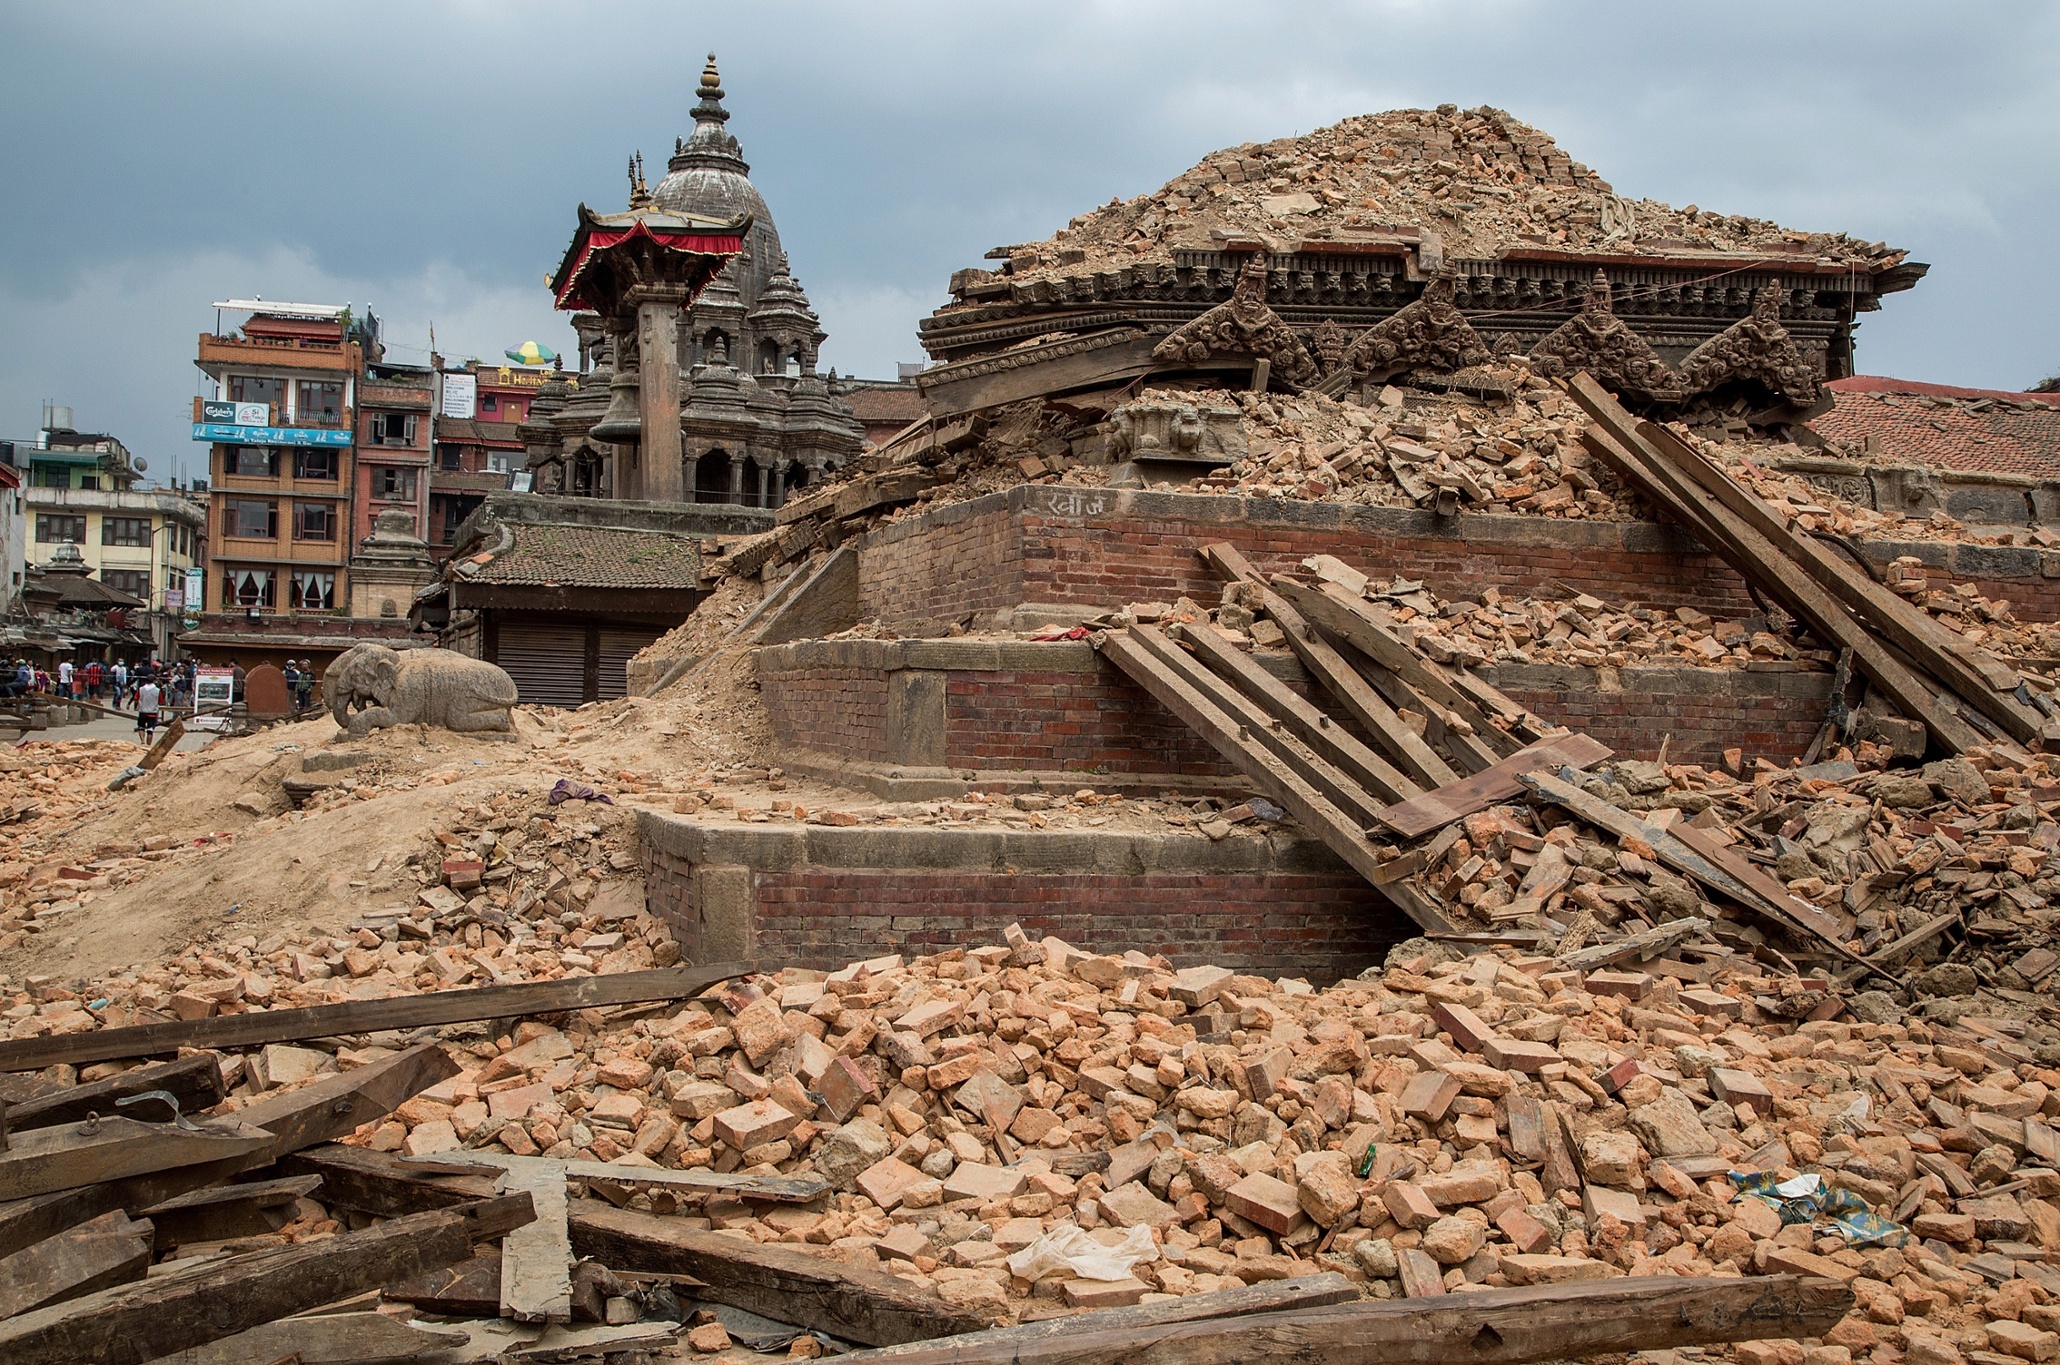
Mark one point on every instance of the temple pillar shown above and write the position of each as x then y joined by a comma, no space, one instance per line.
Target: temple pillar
777,493
737,480
662,474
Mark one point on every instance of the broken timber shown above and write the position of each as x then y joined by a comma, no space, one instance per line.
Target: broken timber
849,1301
781,1189
1268,1296
255,1027
195,1082
1277,780
1486,1327
1337,676
128,1324
1616,438
109,1250
1434,810
67,1156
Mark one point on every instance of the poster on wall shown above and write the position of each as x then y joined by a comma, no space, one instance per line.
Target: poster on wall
460,396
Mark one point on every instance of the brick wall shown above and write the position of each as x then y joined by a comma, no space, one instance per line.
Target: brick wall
831,710
1094,547
1704,711
1068,721
1325,925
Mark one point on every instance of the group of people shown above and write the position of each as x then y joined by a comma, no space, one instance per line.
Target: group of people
149,688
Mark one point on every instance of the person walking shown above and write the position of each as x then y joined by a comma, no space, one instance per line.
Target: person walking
121,682
147,700
95,675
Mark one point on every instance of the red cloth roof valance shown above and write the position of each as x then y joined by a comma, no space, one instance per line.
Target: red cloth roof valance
569,295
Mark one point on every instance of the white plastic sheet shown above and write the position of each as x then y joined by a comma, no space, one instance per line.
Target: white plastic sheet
1069,1250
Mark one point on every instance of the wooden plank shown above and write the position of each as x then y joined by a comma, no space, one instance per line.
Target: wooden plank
325,1339
1486,1327
536,1259
317,1112
196,1082
254,1028
1677,855
108,1250
1413,685
166,742
1946,655
1075,363
780,1189
1329,740
1312,1291
469,1289
1335,674
225,1211
1822,922
776,1281
1434,810
1259,728
64,1157
383,1184
129,1324
1276,780
1615,438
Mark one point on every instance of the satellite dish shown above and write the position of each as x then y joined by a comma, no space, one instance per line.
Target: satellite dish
142,466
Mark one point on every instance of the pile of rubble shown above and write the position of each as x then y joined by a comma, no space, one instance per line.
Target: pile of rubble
1023,1123
1479,179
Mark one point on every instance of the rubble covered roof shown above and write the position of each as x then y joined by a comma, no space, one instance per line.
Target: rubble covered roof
1483,181
1992,431
591,557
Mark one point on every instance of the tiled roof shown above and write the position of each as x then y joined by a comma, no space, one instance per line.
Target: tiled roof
592,557
472,429
1985,430
886,404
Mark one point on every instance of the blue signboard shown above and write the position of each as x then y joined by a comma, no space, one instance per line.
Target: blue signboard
269,436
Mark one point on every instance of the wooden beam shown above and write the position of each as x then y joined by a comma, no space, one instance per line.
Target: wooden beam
1268,1296
1434,810
195,1082
536,1259
1261,729
1323,736
779,1189
1615,438
469,1289
1335,674
1338,614
1684,859
317,1112
382,1184
780,1282
254,1028
326,1339
1945,654
1224,734
66,1156
108,1250
129,1324
1484,1327
225,1211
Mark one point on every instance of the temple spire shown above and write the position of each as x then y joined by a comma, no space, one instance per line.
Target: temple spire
710,109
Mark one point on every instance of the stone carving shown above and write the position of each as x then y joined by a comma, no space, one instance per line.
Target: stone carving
1598,341
1429,333
1757,348
1243,325
1329,344
417,687
1153,429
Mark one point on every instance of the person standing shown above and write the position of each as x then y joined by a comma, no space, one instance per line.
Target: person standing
121,682
305,695
64,679
147,698
94,675
236,676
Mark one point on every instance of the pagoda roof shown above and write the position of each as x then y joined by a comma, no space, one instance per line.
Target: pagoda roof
575,286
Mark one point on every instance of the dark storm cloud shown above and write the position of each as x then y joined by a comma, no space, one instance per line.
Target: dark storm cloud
426,157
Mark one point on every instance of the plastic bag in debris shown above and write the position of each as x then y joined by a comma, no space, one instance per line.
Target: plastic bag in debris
568,790
1069,1250
1807,1198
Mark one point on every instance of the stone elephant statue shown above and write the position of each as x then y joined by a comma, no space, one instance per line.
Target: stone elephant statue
417,687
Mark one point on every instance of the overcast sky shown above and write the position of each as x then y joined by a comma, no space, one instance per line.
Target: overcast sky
426,157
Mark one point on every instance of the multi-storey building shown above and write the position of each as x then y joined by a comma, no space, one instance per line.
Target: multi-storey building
84,489
280,428
478,449
13,530
395,422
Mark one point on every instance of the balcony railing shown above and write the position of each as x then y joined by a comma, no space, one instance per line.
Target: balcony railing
281,352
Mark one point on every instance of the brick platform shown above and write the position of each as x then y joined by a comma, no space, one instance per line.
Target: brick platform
1101,547
910,719
819,896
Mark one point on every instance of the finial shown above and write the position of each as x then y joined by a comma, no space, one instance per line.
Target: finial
711,83
710,109
639,192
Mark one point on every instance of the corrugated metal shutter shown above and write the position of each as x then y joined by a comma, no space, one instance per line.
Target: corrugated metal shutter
617,647
548,663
